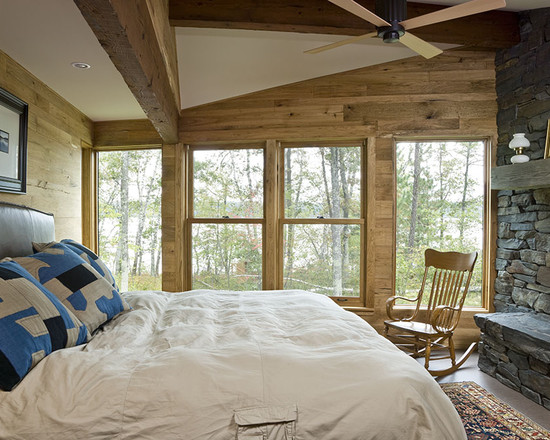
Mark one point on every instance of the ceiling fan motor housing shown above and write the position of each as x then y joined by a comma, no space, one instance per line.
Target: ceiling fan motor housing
394,12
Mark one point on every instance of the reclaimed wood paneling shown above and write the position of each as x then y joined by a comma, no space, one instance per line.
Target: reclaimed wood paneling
500,28
452,95
174,256
56,132
137,133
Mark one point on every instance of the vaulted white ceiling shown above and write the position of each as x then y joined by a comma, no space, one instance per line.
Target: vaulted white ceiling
45,37
216,64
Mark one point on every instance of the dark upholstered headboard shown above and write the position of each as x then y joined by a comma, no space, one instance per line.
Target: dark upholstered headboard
20,226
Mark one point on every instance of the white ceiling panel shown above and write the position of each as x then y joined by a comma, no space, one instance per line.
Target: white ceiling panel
45,37
217,64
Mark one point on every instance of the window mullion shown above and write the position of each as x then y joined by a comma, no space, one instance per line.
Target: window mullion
271,217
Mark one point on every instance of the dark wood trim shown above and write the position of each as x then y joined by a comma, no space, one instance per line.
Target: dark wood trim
126,30
20,110
494,29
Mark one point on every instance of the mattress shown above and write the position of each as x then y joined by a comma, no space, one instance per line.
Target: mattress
230,365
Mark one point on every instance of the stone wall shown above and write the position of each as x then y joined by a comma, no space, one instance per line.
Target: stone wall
523,86
523,95
523,251
515,341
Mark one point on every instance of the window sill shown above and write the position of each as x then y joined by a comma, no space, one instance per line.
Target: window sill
360,310
464,309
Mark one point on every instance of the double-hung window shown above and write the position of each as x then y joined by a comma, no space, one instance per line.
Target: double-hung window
285,216
226,217
322,222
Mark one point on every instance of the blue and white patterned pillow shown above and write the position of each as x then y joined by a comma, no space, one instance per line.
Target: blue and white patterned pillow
79,287
33,323
89,256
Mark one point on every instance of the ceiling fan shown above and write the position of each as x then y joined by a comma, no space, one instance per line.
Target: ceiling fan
394,26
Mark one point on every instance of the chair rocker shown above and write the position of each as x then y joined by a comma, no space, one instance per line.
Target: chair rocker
452,272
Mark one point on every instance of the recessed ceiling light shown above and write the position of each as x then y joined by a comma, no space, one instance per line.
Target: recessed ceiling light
79,65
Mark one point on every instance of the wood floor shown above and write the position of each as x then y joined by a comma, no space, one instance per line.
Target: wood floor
470,372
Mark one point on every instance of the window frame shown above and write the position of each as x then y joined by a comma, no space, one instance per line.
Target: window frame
361,220
274,220
90,192
192,220
488,229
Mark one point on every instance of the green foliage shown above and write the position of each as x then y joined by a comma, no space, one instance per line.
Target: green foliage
145,282
322,182
312,256
319,181
227,256
309,187
228,183
439,206
134,257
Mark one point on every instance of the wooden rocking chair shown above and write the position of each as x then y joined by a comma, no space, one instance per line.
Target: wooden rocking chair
452,272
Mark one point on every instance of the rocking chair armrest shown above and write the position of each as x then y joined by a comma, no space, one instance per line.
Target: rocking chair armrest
444,318
390,302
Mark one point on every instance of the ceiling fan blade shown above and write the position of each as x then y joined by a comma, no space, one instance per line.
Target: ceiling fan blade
420,46
452,12
360,11
341,43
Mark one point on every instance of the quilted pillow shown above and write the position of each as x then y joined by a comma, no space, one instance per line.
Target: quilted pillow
86,254
79,287
33,323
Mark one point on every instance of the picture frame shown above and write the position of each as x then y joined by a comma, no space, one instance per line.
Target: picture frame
14,114
547,145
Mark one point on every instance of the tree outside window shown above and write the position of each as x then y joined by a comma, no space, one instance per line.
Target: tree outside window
440,205
319,228
226,232
129,216
322,183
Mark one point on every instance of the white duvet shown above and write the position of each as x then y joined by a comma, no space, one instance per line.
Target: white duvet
230,365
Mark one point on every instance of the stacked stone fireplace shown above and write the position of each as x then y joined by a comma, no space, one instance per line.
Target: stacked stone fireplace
515,341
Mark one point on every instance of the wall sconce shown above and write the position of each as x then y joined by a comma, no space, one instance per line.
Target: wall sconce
518,144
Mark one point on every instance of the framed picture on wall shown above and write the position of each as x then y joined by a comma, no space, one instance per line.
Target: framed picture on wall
13,143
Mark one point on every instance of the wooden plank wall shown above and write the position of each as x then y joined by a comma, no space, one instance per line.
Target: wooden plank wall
174,215
450,95
56,132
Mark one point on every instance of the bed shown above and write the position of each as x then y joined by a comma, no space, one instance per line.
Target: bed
223,365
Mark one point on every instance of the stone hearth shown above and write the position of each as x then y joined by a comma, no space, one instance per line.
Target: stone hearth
515,341
515,348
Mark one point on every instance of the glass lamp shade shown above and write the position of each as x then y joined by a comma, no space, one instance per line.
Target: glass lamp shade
518,143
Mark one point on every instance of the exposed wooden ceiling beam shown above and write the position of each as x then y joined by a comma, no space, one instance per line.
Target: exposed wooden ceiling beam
135,41
495,29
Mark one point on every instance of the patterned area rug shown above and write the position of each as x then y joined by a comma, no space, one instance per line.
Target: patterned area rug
486,418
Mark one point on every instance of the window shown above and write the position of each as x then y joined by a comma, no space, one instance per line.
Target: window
226,225
323,220
441,187
129,216
311,240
